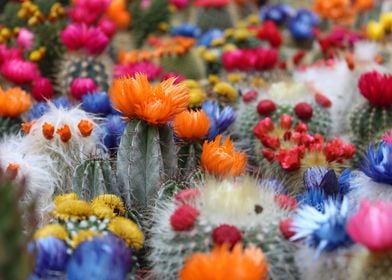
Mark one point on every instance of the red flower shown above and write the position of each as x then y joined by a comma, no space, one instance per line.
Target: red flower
263,127
304,111
286,121
336,150
20,71
271,142
184,217
187,195
266,107
289,160
270,32
298,56
376,88
323,100
42,89
225,234
268,154
285,228
286,201
250,96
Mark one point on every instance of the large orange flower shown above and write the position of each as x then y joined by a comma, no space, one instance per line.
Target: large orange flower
223,264
191,125
137,98
117,12
221,159
14,102
337,10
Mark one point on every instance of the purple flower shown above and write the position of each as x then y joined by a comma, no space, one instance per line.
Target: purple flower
220,120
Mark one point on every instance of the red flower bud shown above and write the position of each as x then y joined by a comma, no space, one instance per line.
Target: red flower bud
323,100
285,228
225,234
184,217
266,107
304,111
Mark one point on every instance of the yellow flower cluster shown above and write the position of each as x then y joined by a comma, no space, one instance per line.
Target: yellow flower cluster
34,16
376,30
196,93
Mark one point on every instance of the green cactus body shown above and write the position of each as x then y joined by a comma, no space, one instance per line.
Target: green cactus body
372,266
97,68
368,121
92,178
189,157
189,65
211,17
146,156
9,126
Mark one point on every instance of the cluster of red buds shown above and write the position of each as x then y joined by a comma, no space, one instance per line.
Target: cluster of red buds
288,145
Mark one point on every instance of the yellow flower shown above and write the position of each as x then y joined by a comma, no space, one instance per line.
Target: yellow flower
253,19
386,21
209,57
375,30
196,97
102,211
55,230
229,47
127,231
226,90
217,42
229,32
81,236
68,209
241,34
110,200
234,77
63,197
213,79
191,84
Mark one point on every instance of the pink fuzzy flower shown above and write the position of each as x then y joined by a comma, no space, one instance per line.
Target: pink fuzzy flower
19,71
107,26
151,70
81,86
371,226
7,54
179,4
42,89
96,41
25,39
74,36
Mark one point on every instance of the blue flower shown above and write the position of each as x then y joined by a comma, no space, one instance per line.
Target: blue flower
307,16
301,30
186,30
220,120
51,256
103,258
112,128
377,163
37,111
96,103
324,231
207,38
62,102
278,13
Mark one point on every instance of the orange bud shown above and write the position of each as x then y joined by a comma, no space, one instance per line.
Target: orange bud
65,133
26,127
12,170
85,128
48,130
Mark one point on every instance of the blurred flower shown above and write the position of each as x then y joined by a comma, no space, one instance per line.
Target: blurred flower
211,3
42,89
179,4
191,125
96,103
337,10
371,226
270,33
37,111
226,90
87,11
278,13
376,88
178,77
62,102
377,164
250,59
221,160
51,256
107,26
226,234
112,128
20,71
52,230
375,30
223,263
118,13
151,70
325,231
301,30
184,217
25,39
186,30
96,259
136,97
208,37
14,102
69,209
9,53
96,41
220,120
82,86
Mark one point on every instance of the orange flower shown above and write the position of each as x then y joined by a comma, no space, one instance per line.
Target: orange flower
225,264
137,98
222,160
337,10
12,170
85,128
363,5
65,133
118,13
191,125
26,127
48,130
14,102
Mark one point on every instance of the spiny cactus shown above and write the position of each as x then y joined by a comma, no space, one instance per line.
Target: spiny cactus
92,178
145,156
214,17
189,157
9,126
371,266
15,262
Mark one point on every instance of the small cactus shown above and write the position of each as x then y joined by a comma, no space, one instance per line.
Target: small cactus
214,17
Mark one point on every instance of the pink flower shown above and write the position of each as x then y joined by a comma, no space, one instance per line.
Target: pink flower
211,3
82,86
145,4
74,36
42,89
187,195
19,71
25,39
230,59
179,4
11,53
371,226
150,69
96,41
179,77
88,11
107,26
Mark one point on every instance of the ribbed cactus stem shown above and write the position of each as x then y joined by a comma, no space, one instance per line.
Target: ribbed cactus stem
146,156
92,178
189,157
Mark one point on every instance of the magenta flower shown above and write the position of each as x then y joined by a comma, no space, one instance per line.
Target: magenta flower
88,11
9,53
25,39
42,89
152,70
81,86
19,71
179,4
371,226
74,36
107,26
96,41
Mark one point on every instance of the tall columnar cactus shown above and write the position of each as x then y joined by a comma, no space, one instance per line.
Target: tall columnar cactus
145,156
92,178
15,262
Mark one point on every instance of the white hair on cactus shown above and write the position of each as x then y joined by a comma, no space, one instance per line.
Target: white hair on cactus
338,84
289,93
365,53
36,170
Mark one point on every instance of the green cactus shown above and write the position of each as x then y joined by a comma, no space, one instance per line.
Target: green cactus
372,266
189,157
92,178
189,65
368,121
97,68
146,156
9,126
15,262
212,17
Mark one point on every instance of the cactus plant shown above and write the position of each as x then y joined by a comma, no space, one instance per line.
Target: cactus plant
369,266
214,17
9,126
92,178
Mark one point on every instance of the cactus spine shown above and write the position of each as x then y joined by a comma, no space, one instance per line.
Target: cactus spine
372,266
9,126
